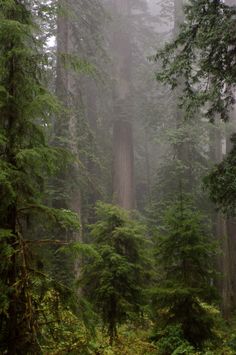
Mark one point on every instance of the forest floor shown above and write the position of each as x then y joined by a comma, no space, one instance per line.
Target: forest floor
137,341
129,342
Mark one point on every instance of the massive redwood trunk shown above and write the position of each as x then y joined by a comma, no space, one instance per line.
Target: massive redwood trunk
123,166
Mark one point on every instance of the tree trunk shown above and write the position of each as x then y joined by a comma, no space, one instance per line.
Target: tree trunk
66,128
123,165
123,159
231,225
68,92
222,234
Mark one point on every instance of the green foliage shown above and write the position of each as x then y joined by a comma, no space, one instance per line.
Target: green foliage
114,282
61,330
221,182
131,340
26,162
82,62
184,257
202,56
171,341
71,62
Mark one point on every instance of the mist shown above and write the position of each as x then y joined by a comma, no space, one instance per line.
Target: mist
117,177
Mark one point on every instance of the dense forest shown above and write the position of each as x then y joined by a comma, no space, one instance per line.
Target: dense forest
117,177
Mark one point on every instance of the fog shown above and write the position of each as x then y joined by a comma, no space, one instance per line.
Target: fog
117,177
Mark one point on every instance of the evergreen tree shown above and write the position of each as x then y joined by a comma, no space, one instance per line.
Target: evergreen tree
203,55
114,281
184,257
26,162
221,182
185,154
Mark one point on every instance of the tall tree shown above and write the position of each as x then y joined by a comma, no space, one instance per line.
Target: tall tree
26,162
205,56
185,259
115,280
123,167
67,90
231,222
79,56
206,62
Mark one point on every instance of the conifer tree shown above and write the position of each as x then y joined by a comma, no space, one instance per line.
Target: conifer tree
26,161
203,54
184,257
114,281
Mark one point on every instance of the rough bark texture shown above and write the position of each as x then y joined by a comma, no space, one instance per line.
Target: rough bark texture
222,233
123,167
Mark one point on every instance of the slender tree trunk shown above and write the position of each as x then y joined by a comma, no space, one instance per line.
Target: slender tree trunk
68,92
227,291
222,234
93,169
182,149
66,125
231,223
147,166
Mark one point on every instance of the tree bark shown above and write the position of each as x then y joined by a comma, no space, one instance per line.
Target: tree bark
231,222
123,156
68,92
222,232
66,126
123,165
231,225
